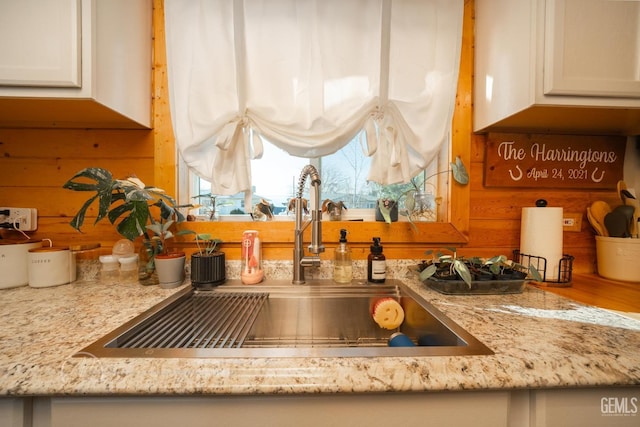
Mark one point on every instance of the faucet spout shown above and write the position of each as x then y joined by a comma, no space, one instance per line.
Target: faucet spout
300,261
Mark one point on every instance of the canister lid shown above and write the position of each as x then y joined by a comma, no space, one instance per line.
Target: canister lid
84,247
17,242
108,259
128,259
50,249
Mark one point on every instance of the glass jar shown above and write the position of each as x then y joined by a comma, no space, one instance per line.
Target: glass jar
129,269
425,208
87,261
109,270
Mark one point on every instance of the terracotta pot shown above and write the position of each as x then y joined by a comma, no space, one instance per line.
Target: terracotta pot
170,269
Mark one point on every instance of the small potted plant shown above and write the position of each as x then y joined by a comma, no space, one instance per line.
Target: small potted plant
168,264
130,205
263,211
451,274
334,209
208,264
387,210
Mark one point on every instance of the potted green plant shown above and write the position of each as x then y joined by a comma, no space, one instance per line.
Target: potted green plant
168,264
130,205
208,264
452,274
418,205
334,209
387,210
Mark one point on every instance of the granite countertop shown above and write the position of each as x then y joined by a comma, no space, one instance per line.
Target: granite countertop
540,340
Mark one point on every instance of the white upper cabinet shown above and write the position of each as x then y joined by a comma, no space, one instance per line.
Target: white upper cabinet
43,50
75,63
562,66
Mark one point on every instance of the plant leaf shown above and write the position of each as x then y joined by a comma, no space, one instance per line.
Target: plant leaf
134,224
385,211
78,219
103,187
462,271
496,259
428,272
535,274
459,172
410,202
102,177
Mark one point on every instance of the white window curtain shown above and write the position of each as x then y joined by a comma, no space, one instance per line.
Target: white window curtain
308,76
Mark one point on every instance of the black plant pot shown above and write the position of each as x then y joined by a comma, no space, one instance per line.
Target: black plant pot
208,270
393,214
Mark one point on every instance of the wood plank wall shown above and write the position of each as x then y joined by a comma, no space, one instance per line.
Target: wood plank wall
34,163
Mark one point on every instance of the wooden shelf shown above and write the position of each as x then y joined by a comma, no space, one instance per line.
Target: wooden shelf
594,290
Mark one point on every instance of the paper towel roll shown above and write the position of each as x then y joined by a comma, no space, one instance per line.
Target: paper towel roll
541,235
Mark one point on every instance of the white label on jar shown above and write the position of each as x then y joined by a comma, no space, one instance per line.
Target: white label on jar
378,269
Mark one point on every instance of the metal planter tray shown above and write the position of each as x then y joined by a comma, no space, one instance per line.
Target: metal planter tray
480,287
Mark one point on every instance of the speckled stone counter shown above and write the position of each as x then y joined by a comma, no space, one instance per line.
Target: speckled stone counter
540,340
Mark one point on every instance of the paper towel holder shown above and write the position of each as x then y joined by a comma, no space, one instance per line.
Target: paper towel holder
565,267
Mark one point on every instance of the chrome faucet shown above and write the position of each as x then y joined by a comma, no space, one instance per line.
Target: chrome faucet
300,261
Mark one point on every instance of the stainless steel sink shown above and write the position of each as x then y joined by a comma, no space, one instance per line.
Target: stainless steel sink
277,319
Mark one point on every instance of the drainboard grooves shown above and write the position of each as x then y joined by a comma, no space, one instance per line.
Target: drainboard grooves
203,320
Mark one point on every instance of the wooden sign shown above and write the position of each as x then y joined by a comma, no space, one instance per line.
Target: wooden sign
553,161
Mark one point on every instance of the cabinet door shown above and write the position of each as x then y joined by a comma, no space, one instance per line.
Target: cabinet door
592,48
588,407
40,43
15,412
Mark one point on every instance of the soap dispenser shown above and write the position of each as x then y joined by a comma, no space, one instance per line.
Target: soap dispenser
376,263
342,267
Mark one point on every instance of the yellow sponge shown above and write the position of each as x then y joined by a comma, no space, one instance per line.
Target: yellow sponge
388,313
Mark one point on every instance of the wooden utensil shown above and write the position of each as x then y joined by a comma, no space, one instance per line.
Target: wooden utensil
599,210
598,227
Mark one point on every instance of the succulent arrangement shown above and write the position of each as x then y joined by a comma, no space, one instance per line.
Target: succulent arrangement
468,270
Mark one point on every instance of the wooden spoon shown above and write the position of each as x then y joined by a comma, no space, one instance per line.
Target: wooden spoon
599,228
599,210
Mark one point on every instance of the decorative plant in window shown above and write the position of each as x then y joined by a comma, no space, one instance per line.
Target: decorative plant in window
413,197
334,209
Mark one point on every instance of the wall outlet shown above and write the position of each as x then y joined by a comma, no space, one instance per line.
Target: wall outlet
25,219
572,222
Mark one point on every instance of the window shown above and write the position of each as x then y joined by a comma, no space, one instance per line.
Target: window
275,179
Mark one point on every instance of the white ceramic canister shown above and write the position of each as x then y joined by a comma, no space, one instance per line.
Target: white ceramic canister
14,262
51,266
